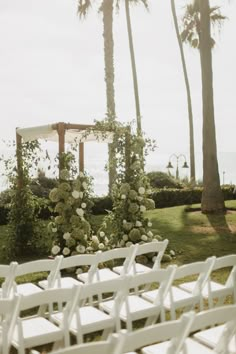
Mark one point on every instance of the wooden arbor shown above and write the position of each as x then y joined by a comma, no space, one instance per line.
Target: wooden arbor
63,133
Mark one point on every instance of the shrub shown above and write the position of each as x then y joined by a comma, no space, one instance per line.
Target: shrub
163,180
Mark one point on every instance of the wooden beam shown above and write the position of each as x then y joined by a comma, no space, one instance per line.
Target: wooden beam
81,157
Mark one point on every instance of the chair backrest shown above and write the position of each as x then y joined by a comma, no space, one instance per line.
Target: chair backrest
9,309
226,261
224,314
175,331
50,266
157,247
202,269
126,253
98,347
8,273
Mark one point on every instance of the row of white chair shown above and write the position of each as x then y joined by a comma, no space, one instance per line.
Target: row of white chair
186,335
133,300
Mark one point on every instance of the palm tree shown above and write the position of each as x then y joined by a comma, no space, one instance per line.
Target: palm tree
106,8
190,112
197,31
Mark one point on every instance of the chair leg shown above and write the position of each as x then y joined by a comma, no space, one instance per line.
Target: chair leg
59,344
106,333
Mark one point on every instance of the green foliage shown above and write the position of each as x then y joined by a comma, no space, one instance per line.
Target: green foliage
160,179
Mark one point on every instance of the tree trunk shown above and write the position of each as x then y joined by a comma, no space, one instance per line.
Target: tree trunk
212,196
107,10
190,113
134,71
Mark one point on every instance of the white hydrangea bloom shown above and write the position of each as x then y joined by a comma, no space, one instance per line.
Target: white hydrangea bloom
55,249
85,237
125,237
149,224
142,208
149,191
101,246
75,194
154,240
138,223
89,248
123,196
80,249
144,238
80,212
54,229
128,244
79,271
83,205
106,240
66,251
81,174
172,252
150,234
139,198
66,236
124,221
141,190
81,194
84,184
102,234
95,239
122,243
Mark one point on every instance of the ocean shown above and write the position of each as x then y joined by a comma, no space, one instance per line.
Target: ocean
96,159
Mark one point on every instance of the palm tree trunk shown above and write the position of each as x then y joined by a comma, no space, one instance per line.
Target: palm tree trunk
190,113
134,71
107,10
212,196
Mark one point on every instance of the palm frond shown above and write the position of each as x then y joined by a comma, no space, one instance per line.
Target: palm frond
83,7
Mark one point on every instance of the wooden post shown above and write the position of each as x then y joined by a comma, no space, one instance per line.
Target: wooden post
61,136
19,160
81,157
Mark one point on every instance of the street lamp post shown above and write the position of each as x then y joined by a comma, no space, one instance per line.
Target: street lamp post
177,157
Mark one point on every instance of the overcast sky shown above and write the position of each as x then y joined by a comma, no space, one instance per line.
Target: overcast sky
52,69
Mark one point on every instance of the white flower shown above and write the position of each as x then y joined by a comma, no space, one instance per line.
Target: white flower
123,196
154,259
66,251
149,191
80,249
79,271
144,238
55,249
128,244
89,249
149,224
125,237
122,243
150,234
141,190
54,229
75,194
83,205
142,208
85,237
84,184
102,234
80,212
154,240
66,236
81,174
138,223
101,246
139,198
106,240
95,239
172,253
81,194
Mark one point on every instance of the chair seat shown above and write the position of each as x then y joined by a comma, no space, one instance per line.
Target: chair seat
139,308
209,336
216,288
27,289
192,347
65,282
180,298
92,319
139,268
104,274
37,331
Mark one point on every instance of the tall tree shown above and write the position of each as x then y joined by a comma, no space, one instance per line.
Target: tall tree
212,196
106,8
189,100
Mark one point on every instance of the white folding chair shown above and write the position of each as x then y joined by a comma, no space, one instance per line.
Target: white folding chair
98,347
180,298
164,338
136,307
50,266
220,337
9,307
38,329
7,272
214,290
127,254
156,248
73,262
85,317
